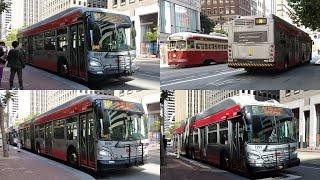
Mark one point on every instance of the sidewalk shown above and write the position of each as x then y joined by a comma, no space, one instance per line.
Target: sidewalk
309,150
28,166
34,78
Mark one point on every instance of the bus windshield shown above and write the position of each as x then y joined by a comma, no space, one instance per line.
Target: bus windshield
110,32
120,124
270,125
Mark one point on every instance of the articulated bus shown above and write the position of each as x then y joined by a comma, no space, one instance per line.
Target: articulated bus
86,43
186,49
243,134
93,131
267,43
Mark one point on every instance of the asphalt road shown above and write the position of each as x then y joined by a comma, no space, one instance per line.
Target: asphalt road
222,77
147,77
193,170
149,171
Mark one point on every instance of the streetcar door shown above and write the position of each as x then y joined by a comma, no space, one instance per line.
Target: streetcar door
48,138
83,139
203,143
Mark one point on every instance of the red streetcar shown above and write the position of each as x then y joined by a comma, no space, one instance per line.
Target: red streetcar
186,49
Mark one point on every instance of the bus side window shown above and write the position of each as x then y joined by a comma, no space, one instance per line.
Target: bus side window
190,44
62,44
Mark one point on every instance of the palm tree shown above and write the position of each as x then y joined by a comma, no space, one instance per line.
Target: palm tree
4,99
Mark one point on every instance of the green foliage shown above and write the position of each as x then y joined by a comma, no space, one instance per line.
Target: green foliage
307,13
207,24
155,127
153,34
3,6
174,126
221,32
11,36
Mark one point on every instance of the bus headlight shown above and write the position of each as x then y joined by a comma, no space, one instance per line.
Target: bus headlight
94,63
104,153
253,156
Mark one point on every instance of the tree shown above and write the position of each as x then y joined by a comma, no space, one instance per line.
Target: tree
4,99
221,32
3,6
207,24
153,36
11,36
163,97
306,13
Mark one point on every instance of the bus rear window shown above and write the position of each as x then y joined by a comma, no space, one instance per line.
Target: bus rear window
251,36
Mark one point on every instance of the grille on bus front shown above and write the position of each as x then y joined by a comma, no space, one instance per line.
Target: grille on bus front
271,158
243,22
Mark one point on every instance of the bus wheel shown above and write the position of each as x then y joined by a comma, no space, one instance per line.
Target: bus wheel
192,155
224,162
63,69
73,158
38,149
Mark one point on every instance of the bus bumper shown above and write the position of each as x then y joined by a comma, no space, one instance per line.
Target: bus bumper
113,164
109,73
255,64
255,168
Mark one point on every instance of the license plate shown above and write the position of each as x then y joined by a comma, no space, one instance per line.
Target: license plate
250,51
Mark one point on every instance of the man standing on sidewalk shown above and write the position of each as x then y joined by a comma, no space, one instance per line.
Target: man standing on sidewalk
16,61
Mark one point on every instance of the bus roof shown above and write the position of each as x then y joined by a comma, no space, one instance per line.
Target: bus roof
240,101
189,35
271,16
73,12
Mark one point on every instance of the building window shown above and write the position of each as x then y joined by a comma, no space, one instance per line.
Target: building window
115,2
123,2
131,1
288,92
296,91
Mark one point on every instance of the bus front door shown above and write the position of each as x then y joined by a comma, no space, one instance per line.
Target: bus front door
86,140
48,138
237,145
77,55
203,143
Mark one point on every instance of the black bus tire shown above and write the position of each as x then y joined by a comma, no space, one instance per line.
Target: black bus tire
63,68
72,157
224,162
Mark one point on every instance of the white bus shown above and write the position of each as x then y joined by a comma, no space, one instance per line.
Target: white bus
267,43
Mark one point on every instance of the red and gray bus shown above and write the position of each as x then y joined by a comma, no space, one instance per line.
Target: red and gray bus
257,42
243,134
81,42
93,131
187,49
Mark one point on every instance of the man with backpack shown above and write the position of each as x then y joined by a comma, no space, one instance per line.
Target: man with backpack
16,61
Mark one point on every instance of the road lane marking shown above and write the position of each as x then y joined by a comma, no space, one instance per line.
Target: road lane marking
142,74
288,177
200,78
309,167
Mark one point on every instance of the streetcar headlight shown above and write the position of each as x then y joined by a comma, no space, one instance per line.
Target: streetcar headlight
253,156
104,153
94,63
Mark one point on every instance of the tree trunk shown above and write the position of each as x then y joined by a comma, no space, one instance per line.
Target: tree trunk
4,139
162,152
